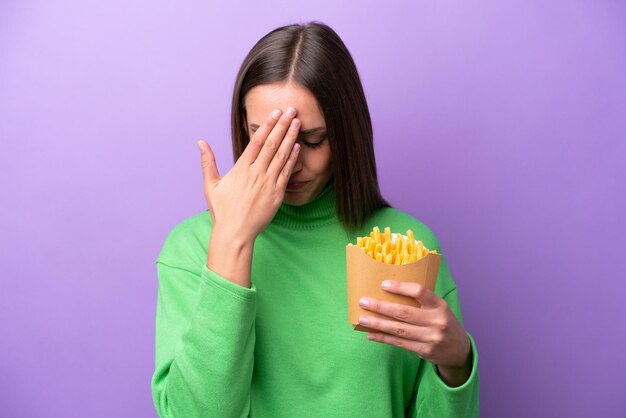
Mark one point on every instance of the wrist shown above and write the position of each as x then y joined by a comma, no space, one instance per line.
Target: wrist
455,376
234,237
230,255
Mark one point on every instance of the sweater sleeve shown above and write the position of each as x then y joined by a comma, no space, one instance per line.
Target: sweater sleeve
205,338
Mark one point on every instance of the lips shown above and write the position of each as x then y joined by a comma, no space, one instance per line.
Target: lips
296,184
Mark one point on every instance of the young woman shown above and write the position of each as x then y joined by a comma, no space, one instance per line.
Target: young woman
252,303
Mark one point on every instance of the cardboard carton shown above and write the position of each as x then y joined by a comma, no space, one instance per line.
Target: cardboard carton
365,275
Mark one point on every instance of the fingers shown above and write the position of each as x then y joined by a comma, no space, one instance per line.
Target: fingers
399,329
209,166
259,137
274,140
284,150
422,294
421,349
398,311
285,173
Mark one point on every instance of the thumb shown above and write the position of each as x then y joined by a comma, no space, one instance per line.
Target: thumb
421,293
209,166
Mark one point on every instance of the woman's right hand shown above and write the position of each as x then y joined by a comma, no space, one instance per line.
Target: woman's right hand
244,201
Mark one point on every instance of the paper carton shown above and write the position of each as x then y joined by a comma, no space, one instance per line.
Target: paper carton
365,275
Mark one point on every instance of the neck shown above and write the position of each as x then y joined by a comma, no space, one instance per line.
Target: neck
318,212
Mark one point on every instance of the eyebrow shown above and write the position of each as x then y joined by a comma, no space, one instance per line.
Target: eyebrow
304,133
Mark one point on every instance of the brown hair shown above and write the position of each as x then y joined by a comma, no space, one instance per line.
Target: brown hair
314,56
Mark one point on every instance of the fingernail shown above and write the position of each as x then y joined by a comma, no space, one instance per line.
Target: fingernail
363,320
364,302
200,147
291,112
276,114
295,124
386,284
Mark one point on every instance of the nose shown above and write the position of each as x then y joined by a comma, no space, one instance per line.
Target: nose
298,165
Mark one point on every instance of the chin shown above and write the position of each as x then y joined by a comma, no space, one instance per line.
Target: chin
297,199
295,202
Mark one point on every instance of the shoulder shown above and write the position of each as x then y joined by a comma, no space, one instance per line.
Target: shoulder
187,240
400,221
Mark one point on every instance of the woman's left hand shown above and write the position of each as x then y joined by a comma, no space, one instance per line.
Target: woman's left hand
432,331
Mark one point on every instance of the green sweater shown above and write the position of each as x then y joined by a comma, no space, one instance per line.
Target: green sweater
284,347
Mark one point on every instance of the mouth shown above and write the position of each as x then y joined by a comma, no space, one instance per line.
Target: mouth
296,185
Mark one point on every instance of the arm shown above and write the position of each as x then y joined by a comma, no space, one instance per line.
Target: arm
204,344
435,397
205,330
435,332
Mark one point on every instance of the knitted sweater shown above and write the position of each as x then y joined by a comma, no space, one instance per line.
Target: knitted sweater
284,347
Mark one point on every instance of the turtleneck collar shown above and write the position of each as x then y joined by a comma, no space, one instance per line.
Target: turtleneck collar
318,212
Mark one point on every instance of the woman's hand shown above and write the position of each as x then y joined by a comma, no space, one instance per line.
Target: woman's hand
246,199
432,331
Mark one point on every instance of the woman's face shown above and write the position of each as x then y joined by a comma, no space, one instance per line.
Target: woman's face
312,170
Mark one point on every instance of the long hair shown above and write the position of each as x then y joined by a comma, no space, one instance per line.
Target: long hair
314,56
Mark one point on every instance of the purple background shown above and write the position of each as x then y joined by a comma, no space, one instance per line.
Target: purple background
501,125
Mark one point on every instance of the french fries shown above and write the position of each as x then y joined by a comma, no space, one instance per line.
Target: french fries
391,248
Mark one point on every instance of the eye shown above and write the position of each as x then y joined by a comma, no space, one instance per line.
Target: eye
312,145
